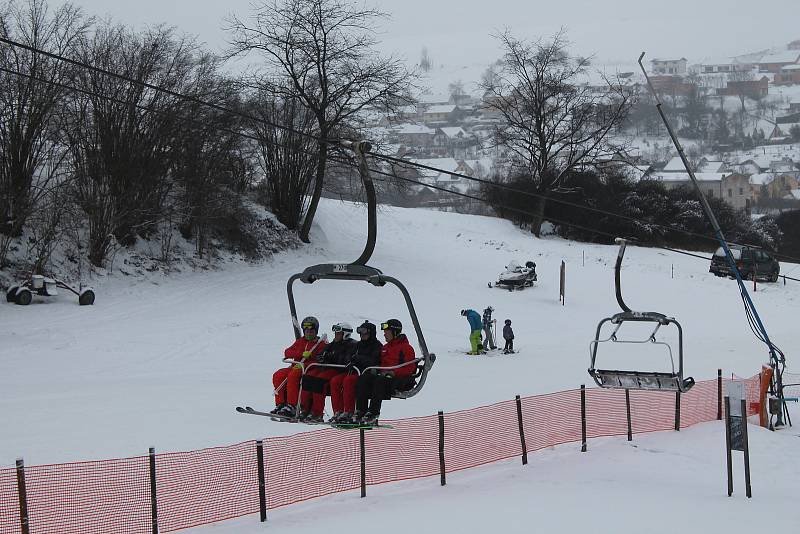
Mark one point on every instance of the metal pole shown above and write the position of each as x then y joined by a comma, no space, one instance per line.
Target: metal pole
583,418
153,494
442,469
749,305
677,411
719,394
23,497
521,432
262,486
746,452
363,463
728,444
628,410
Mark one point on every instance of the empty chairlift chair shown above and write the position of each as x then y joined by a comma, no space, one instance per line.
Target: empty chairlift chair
638,379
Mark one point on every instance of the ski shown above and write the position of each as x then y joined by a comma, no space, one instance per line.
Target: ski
274,417
283,419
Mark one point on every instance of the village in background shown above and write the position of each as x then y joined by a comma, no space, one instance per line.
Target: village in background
738,118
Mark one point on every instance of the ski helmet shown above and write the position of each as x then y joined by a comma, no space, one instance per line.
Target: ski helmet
394,325
368,328
345,328
310,322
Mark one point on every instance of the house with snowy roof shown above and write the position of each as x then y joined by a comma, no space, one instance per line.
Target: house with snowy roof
441,114
776,60
733,188
773,185
412,134
788,75
454,141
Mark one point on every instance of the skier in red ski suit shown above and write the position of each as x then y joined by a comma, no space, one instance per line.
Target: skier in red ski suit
343,386
287,380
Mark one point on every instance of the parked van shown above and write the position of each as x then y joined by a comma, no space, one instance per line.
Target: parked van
749,261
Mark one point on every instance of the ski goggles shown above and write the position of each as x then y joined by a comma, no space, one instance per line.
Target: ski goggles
362,330
309,326
338,328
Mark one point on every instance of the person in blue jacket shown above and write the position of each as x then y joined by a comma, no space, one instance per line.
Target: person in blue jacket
475,327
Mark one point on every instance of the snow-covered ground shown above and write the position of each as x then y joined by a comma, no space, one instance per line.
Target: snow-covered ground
658,483
163,361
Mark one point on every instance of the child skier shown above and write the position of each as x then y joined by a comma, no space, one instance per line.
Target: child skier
508,335
287,380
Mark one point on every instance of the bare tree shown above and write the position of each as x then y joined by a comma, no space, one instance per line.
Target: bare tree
122,135
553,123
327,49
738,88
30,152
286,156
211,158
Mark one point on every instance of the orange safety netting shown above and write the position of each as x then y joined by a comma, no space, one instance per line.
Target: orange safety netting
209,485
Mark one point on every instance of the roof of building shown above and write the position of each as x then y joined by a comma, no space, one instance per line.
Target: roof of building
781,56
441,108
764,178
409,128
452,131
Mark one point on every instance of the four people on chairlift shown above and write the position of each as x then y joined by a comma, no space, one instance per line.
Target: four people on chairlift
358,375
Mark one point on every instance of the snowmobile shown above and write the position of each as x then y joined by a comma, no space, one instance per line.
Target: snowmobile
517,276
22,294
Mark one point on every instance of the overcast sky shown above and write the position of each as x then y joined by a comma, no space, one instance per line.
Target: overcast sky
615,31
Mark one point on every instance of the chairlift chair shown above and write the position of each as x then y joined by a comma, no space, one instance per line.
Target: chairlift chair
359,270
634,379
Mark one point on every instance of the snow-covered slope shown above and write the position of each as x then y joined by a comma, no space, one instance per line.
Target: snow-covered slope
163,362
659,483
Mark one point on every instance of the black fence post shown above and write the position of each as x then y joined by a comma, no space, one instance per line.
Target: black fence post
583,418
363,463
153,495
522,432
442,469
746,451
628,411
728,444
677,411
23,497
262,484
719,394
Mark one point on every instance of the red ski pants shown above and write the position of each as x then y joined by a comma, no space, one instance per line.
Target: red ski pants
314,400
291,389
343,392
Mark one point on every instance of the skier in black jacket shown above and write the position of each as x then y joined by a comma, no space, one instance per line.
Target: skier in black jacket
343,386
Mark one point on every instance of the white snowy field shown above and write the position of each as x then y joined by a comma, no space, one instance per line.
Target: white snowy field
163,362
658,483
